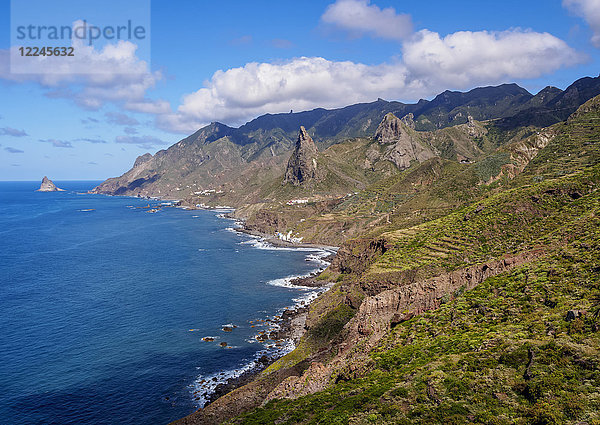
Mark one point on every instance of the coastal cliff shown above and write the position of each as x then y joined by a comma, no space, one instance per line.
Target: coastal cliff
468,230
461,314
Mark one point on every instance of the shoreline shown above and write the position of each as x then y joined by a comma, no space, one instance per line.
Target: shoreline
291,329
275,241
271,239
291,326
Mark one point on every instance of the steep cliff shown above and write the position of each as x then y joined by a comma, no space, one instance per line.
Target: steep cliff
406,145
302,165
465,316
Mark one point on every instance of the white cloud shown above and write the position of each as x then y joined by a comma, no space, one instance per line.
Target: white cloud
95,141
148,106
466,58
9,131
430,64
58,143
120,119
590,11
303,83
91,78
359,17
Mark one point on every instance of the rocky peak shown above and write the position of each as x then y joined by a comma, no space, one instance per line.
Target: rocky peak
472,128
408,120
208,134
48,186
302,165
389,130
405,144
142,159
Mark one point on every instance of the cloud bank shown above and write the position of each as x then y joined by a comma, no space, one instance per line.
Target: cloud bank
430,63
92,78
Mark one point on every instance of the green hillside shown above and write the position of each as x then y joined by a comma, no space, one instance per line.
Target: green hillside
226,159
504,323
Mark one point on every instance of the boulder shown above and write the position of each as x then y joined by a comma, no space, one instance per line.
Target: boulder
574,314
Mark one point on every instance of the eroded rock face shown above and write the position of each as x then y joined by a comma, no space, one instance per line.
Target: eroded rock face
48,186
302,165
523,153
404,141
356,255
389,130
378,313
313,380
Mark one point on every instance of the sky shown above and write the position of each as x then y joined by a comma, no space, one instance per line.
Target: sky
88,117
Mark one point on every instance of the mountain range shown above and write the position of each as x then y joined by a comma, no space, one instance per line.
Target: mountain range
466,285
225,159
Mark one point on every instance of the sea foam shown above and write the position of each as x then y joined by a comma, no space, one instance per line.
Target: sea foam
204,386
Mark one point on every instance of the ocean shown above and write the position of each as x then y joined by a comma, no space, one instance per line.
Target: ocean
103,305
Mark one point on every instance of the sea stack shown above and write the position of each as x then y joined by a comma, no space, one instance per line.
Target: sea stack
302,165
48,186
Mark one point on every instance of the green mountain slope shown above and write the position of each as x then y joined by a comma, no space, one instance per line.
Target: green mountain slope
489,313
552,105
501,353
223,159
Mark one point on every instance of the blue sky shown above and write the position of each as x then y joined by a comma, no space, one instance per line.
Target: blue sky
232,61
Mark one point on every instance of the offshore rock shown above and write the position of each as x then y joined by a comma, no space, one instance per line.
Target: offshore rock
48,186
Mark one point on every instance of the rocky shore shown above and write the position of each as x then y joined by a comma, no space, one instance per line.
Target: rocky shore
291,323
275,241
291,328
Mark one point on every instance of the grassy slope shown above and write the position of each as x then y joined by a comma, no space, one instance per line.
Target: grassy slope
468,361
502,352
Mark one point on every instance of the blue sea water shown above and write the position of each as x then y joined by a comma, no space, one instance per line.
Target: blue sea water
102,312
